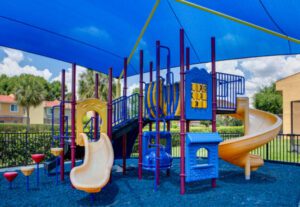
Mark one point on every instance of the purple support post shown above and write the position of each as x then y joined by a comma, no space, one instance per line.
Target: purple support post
213,72
157,119
109,105
214,93
73,111
62,125
182,116
96,119
124,141
151,79
109,108
187,50
141,115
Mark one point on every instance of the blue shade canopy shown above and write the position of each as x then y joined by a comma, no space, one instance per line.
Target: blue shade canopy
98,34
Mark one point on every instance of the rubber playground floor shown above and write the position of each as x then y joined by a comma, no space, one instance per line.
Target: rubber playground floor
271,185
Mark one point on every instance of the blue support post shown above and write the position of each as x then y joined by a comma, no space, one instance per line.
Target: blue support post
27,183
37,175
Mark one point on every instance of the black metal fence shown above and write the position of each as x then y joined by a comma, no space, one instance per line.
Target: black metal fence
285,148
16,148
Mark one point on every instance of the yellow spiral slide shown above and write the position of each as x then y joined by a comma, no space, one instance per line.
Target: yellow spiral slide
260,128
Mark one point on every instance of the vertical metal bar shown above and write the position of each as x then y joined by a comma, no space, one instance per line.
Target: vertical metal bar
109,104
141,114
214,92
96,124
151,79
182,115
157,112
124,139
213,72
187,50
73,118
62,125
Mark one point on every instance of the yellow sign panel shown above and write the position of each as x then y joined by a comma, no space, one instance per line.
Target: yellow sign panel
199,95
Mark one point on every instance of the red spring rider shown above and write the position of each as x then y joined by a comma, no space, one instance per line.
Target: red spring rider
37,158
10,176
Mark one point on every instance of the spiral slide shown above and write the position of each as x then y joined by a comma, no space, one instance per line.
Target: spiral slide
260,128
95,171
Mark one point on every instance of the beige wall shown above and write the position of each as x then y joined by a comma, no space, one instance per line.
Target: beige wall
37,114
290,88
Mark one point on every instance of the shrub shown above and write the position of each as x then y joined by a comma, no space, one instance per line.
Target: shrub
22,128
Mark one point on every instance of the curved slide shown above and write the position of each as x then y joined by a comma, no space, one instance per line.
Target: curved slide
260,128
95,171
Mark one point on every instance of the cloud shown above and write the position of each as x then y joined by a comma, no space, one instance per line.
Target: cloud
265,70
79,71
10,65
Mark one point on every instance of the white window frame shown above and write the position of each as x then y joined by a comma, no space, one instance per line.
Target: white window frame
17,107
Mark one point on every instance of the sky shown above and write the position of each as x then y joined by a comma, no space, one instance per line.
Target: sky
258,72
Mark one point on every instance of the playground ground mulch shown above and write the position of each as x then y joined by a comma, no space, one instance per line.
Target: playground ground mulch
272,185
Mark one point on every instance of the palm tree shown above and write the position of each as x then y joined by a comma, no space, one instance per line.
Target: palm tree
29,92
87,85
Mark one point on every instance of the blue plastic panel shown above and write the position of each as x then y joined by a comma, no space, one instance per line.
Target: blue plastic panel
198,95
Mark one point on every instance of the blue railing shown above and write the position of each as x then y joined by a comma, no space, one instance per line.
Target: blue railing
228,88
125,109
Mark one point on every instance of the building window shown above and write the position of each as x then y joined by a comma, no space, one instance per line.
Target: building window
49,111
14,108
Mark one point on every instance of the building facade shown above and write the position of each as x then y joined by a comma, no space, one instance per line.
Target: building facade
10,111
289,87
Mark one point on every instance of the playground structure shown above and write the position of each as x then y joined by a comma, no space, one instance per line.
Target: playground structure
198,96
165,100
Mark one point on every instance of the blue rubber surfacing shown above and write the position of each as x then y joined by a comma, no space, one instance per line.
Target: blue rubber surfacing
271,185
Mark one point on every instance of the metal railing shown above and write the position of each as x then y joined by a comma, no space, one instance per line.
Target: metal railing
125,108
228,87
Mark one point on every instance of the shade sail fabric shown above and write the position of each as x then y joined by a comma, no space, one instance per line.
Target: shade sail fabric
98,34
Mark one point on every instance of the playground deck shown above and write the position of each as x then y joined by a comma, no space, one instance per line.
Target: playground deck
271,185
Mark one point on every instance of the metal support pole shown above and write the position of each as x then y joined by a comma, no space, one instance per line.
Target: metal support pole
62,125
157,119
96,120
168,129
214,94
187,57
109,108
37,175
124,141
56,169
109,105
27,183
182,116
141,115
151,79
73,118
214,91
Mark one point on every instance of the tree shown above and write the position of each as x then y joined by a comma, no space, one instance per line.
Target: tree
54,91
87,85
268,99
7,84
29,92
